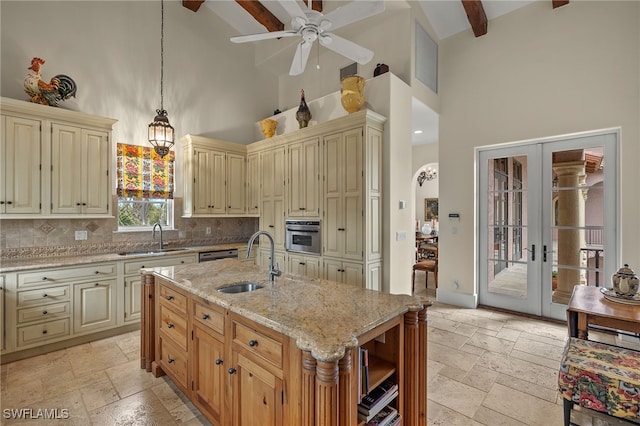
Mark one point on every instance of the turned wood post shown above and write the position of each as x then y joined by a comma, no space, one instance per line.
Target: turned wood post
327,393
422,367
147,322
308,389
411,370
347,399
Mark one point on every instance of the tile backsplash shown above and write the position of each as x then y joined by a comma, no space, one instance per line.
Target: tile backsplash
23,238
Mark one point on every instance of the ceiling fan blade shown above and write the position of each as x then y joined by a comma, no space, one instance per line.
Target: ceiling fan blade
346,48
354,11
263,36
300,59
293,8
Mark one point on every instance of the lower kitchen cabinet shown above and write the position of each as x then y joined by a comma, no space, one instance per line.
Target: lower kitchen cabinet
264,259
308,266
209,373
2,311
94,306
343,272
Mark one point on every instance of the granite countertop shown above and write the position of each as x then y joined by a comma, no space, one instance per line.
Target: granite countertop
323,317
54,262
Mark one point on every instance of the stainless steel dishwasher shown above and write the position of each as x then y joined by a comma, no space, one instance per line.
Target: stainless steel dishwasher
206,256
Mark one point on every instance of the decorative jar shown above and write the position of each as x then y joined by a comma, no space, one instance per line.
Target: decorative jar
268,127
625,282
352,93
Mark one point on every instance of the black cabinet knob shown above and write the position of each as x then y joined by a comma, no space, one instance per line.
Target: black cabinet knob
9,202
44,312
232,370
170,360
44,331
169,325
205,316
253,343
218,361
44,278
168,297
45,295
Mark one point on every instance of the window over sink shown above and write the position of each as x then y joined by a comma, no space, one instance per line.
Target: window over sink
145,187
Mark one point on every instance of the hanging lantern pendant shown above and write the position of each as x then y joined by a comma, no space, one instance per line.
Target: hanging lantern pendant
161,134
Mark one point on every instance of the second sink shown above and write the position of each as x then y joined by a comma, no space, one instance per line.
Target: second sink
240,288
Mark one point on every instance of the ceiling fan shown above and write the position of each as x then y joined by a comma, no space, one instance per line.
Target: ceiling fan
312,25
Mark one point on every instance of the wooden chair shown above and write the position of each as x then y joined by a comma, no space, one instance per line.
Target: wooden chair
427,262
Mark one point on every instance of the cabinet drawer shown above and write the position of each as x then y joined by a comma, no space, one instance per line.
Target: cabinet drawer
53,276
173,361
134,267
174,326
170,297
209,316
43,296
46,312
269,348
42,332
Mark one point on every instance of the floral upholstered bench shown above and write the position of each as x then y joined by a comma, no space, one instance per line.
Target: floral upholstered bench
600,377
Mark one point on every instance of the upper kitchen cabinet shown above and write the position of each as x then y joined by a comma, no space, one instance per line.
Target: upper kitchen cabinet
55,162
215,178
304,178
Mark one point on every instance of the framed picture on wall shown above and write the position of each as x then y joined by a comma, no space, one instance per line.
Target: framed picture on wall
430,209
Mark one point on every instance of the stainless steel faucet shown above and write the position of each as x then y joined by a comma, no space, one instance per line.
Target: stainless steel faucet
273,269
153,234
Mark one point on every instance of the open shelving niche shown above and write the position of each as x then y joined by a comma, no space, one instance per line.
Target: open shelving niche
385,359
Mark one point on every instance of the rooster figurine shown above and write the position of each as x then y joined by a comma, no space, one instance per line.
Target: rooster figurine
60,88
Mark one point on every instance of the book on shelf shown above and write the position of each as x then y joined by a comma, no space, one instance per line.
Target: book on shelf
364,369
395,421
367,414
385,417
373,398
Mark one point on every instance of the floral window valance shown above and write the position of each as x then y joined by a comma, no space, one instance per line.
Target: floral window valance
144,174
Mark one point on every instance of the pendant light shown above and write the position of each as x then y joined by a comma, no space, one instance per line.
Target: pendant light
160,131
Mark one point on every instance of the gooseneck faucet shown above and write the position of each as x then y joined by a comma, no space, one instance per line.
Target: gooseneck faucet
273,269
153,234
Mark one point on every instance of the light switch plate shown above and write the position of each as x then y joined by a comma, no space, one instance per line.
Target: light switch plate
81,235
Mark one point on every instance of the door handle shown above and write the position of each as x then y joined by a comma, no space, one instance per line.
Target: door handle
544,253
533,252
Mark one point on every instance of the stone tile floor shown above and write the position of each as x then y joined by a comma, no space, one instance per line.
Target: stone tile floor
484,368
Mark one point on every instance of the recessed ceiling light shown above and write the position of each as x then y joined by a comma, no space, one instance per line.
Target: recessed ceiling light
417,132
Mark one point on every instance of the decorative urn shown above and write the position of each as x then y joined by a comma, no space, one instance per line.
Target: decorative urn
625,282
352,93
268,127
303,115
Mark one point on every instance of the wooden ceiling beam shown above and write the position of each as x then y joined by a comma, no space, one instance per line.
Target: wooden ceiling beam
559,3
193,5
477,17
316,5
261,14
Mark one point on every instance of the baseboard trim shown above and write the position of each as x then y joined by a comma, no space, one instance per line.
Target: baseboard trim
458,299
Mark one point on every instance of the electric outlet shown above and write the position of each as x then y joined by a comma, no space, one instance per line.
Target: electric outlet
81,235
401,235
208,230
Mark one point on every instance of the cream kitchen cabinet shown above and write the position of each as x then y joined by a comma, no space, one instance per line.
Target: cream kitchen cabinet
55,162
264,259
344,272
306,265
132,280
2,311
20,152
254,173
304,169
273,194
214,177
94,306
80,160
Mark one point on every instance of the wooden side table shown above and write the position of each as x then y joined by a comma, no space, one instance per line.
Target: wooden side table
588,306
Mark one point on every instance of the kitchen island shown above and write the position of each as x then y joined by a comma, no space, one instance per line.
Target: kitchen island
288,353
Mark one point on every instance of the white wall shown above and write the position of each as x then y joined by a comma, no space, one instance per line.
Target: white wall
112,50
538,72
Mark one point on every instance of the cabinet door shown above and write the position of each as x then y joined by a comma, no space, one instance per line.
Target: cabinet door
352,172
332,270
202,183
95,182
257,394
2,311
209,373
308,266
332,229
219,188
94,306
66,169
132,303
253,183
21,152
304,178
352,274
236,183
313,268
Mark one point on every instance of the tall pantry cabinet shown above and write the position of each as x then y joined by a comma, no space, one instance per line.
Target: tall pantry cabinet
54,162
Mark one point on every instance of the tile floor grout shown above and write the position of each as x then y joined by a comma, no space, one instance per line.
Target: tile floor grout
484,367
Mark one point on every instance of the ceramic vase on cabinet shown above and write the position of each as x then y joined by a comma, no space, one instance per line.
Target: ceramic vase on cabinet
268,127
352,93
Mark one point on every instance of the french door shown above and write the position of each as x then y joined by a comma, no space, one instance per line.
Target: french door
547,221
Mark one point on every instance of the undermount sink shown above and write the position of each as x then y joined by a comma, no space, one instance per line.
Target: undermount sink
240,288
137,253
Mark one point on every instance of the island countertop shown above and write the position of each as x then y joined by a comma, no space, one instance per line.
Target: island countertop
323,317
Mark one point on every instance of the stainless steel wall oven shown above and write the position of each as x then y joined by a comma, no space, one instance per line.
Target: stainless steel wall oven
303,236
